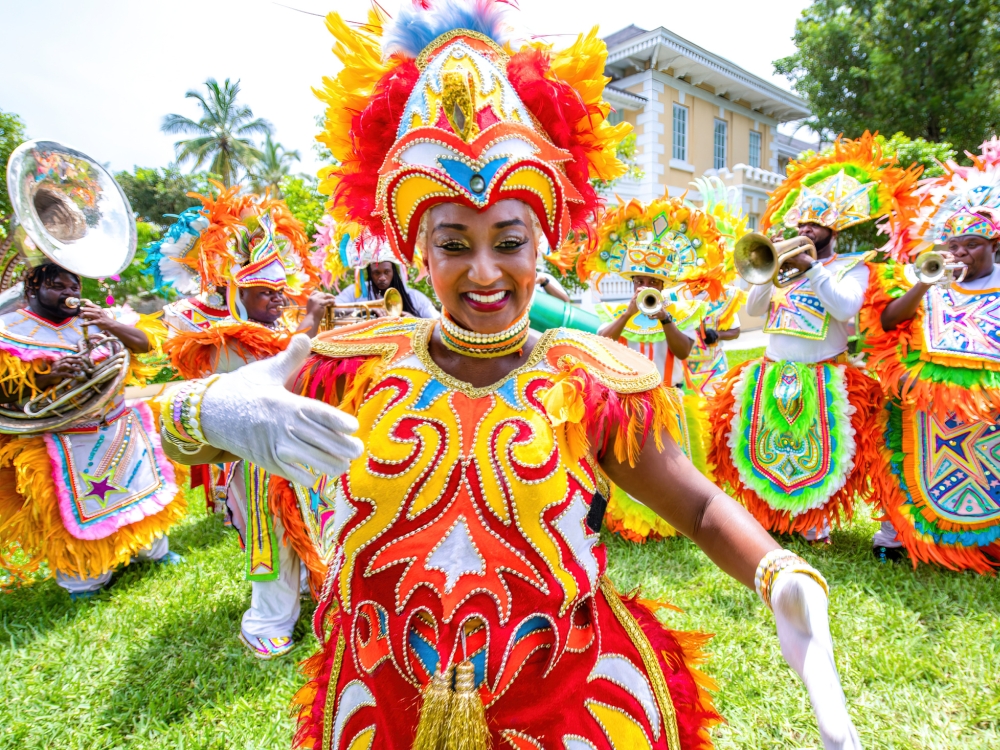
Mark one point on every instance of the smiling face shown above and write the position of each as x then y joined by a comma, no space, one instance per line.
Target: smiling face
263,304
482,263
974,251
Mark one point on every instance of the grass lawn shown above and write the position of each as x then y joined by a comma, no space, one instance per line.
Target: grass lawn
154,662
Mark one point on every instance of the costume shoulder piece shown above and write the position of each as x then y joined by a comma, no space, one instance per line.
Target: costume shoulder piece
558,350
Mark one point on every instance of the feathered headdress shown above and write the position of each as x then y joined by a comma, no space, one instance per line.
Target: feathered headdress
847,185
441,109
234,240
962,201
666,239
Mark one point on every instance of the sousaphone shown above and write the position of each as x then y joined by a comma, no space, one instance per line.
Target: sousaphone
68,210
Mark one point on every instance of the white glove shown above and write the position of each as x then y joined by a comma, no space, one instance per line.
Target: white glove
800,611
251,414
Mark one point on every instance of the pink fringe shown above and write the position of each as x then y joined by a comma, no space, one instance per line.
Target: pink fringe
30,355
147,507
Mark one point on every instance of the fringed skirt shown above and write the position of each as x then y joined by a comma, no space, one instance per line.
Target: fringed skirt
942,493
797,443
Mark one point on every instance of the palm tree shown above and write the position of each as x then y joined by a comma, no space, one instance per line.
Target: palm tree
275,163
221,135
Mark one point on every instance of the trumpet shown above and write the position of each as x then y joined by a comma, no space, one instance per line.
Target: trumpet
933,268
649,301
391,302
760,261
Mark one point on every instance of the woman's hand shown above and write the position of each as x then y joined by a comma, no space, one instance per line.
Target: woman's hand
249,413
800,612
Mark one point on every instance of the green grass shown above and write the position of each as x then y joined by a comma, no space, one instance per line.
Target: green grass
739,356
154,662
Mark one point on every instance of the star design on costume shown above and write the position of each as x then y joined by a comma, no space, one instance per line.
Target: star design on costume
953,447
101,487
966,327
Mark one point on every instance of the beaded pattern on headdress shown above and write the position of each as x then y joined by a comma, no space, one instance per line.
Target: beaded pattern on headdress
964,200
849,184
463,120
665,239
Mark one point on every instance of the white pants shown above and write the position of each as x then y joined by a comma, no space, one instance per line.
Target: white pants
886,536
274,605
817,533
76,585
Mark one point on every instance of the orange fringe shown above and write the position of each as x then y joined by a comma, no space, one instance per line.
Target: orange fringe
866,398
896,187
196,354
285,506
886,349
889,498
30,519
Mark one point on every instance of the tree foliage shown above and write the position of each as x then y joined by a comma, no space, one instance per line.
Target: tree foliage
156,193
274,165
221,136
918,151
929,68
301,194
12,135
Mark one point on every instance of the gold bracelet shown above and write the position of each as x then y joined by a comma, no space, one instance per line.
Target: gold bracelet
776,562
180,413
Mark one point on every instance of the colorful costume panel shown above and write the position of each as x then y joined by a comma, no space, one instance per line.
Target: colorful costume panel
794,432
940,370
93,495
467,533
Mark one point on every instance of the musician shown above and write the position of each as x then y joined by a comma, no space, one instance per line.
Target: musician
99,492
935,350
380,272
264,253
794,432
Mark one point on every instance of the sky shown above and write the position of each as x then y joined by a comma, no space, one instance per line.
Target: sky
100,75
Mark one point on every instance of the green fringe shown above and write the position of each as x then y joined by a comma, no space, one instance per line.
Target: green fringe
809,398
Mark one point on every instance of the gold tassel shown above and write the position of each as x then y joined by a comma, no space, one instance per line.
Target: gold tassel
467,729
432,729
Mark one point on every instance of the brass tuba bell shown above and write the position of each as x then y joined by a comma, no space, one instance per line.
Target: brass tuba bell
69,210
758,260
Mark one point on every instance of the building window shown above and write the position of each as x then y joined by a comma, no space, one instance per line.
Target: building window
719,152
680,133
754,149
752,222
615,116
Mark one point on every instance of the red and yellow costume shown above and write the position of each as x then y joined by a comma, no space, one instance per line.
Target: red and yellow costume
468,531
465,535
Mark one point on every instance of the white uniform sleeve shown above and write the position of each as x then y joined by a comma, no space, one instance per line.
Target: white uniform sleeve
841,298
424,307
758,299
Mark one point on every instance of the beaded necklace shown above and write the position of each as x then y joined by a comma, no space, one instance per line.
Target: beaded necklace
484,345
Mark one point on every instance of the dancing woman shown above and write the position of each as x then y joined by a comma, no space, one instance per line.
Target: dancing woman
468,601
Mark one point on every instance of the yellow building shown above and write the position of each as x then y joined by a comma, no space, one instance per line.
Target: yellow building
695,114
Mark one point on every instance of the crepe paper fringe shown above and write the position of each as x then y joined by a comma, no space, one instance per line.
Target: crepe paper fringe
285,506
17,373
895,198
631,520
699,432
863,394
342,383
594,414
927,538
195,354
308,703
936,384
680,654
30,519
